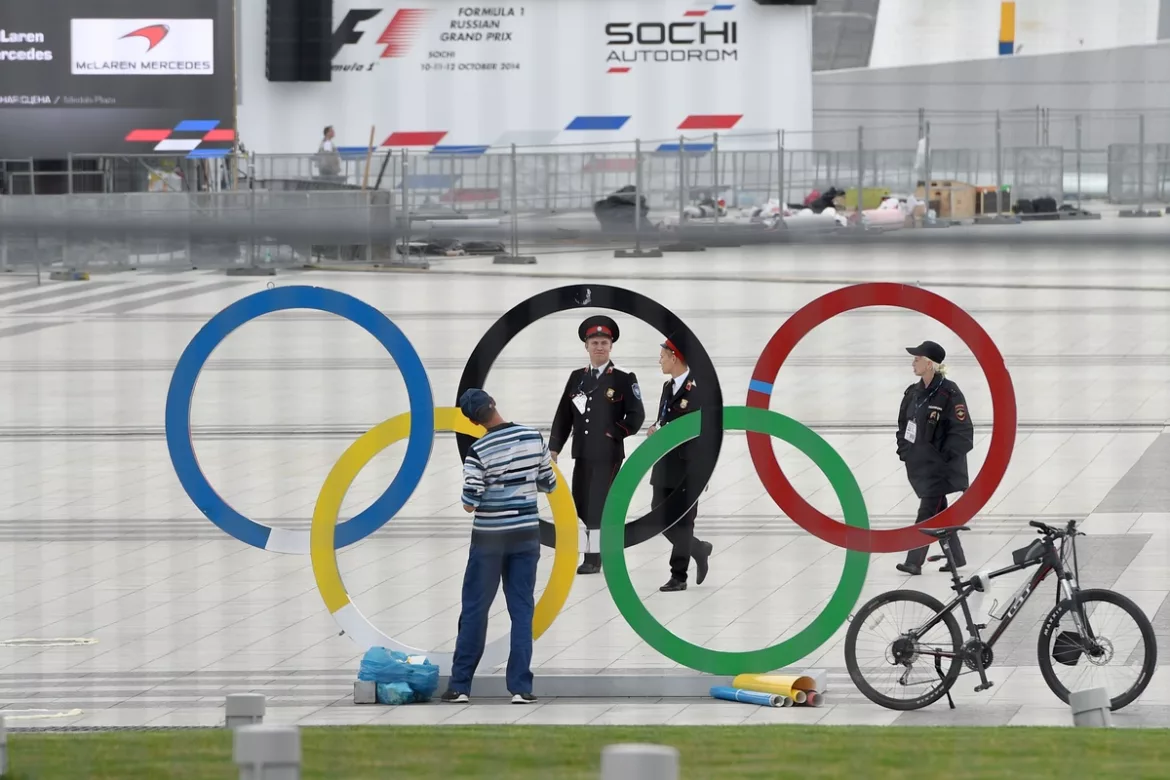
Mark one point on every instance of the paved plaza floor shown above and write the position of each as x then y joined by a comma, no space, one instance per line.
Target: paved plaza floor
122,605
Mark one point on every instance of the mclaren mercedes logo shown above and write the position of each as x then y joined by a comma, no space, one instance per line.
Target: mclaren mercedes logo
153,33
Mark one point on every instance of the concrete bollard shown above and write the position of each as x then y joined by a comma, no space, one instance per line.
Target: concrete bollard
265,752
365,692
639,762
243,709
1090,708
3,747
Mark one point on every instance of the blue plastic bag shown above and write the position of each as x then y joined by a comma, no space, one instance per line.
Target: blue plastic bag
394,693
388,667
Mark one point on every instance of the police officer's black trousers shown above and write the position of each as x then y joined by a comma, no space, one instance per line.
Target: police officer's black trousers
681,535
591,482
928,508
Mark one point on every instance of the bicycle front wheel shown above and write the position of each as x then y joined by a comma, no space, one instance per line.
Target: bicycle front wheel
891,663
1113,647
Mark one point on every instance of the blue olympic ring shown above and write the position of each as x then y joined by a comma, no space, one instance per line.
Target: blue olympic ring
182,389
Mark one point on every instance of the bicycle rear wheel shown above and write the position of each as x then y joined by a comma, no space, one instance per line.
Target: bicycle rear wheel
889,657
1120,633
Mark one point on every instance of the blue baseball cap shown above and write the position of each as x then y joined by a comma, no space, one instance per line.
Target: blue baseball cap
475,404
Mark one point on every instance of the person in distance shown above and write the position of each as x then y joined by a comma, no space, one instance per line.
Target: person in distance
935,433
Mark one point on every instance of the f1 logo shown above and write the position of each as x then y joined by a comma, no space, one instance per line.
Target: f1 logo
397,37
347,32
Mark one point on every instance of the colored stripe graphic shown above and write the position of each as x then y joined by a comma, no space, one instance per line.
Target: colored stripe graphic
598,123
710,121
695,13
1007,28
178,145
402,30
618,70
760,387
148,135
196,125
415,139
460,150
350,151
692,148
224,134
204,154
724,7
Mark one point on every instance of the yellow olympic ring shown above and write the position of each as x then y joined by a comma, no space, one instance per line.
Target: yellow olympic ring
324,554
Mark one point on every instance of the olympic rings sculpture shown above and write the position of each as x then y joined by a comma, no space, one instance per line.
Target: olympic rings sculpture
419,424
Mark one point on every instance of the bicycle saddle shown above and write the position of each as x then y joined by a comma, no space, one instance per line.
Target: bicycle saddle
939,533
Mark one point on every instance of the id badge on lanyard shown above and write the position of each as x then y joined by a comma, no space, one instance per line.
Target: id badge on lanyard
912,423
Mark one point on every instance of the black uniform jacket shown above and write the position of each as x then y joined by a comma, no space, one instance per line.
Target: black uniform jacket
612,411
672,468
936,462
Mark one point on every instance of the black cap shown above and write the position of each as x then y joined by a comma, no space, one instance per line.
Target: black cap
929,350
476,405
599,325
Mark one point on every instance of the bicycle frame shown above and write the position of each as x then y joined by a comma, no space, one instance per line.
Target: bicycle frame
1048,563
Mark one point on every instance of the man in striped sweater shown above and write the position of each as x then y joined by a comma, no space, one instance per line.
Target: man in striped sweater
503,472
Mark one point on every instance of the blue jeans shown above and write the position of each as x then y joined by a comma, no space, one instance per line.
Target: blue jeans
487,565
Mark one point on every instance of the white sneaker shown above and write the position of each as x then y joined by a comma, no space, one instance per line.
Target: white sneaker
523,698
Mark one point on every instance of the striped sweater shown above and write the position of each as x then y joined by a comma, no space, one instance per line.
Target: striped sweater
502,474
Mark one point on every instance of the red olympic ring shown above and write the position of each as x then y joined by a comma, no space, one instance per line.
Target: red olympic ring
1003,404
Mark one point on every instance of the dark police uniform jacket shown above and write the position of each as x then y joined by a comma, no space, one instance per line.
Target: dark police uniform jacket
670,470
936,462
612,410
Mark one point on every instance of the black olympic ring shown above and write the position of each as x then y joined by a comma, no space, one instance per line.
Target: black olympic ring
710,441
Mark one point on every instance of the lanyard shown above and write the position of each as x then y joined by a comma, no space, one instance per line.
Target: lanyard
589,377
666,403
929,395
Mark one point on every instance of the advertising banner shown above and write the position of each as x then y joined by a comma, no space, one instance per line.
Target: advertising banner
464,77
106,77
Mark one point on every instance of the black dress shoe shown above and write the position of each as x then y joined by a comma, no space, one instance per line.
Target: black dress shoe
909,568
588,568
702,563
946,568
673,585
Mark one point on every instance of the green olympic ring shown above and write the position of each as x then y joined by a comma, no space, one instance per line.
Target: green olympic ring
722,662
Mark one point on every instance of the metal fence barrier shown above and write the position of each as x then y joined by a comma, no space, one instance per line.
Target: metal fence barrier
408,185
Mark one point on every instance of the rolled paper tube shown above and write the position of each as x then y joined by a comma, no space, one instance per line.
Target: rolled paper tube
799,697
747,697
785,701
780,684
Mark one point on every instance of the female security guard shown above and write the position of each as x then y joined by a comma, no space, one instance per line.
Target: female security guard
934,436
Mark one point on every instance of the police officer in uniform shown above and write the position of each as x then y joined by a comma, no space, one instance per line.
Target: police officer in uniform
600,406
935,434
671,472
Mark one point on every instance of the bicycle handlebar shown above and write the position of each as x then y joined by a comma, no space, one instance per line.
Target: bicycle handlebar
1048,530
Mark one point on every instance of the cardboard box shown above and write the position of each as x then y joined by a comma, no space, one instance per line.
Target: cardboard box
950,199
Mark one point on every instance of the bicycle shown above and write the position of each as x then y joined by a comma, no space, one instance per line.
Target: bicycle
1093,643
